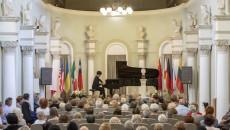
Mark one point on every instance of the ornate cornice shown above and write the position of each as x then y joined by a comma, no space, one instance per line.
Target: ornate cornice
176,54
222,46
193,32
191,51
204,49
9,19
41,33
205,27
27,27
221,17
142,41
90,41
41,51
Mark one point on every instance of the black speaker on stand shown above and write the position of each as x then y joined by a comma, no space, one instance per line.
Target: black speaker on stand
46,77
187,77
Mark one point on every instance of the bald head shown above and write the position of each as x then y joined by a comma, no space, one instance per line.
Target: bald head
182,102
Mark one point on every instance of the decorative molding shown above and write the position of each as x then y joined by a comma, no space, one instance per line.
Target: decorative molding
204,49
204,27
191,32
9,46
27,39
192,43
27,27
222,46
205,38
41,33
56,56
221,17
41,52
9,19
91,54
90,41
9,33
191,51
176,38
27,49
142,41
176,54
55,38
222,32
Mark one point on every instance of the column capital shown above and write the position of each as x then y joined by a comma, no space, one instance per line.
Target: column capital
176,54
191,51
27,49
56,55
41,51
9,46
204,49
222,46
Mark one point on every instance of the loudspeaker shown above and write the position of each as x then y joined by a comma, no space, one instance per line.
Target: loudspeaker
46,76
186,75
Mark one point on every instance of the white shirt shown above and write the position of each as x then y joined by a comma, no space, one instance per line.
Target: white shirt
46,111
39,121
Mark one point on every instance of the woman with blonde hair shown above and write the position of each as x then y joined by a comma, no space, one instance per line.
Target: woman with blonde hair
105,126
18,112
158,126
25,127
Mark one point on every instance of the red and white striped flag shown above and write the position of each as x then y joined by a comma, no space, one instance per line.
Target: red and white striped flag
61,79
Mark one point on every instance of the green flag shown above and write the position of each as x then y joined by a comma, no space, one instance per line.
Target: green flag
72,70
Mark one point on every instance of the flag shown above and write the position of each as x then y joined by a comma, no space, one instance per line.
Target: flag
172,85
168,77
61,78
80,82
160,76
67,79
179,77
73,76
53,87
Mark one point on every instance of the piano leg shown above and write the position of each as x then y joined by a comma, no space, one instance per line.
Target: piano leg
111,92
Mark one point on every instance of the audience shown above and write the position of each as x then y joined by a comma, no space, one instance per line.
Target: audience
136,111
169,114
26,109
154,109
63,118
181,109
98,104
54,103
25,127
44,106
158,126
128,125
18,112
144,107
146,113
209,110
80,105
62,106
164,106
174,111
162,118
117,111
6,109
41,117
12,121
225,123
188,119
46,125
68,108
1,114
141,128
77,115
101,115
54,114
73,102
84,128
133,104
54,127
105,108
115,120
124,108
36,99
105,126
136,119
90,119
72,126
209,121
180,125
19,101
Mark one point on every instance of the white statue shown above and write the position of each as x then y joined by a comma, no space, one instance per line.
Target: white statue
6,9
177,28
55,30
27,15
90,32
191,21
41,23
205,15
141,33
221,7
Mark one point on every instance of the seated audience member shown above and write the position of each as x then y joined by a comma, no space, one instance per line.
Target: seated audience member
116,97
136,119
63,118
188,119
144,107
117,111
86,107
77,115
146,113
133,104
136,111
26,109
46,125
36,99
12,120
201,128
89,111
162,118
73,102
174,111
84,128
164,106
18,112
158,126
54,103
68,108
25,127
62,106
225,123
173,102
161,100
115,120
54,127
180,125
209,110
6,109
114,104
41,117
169,114
105,107
90,119
181,109
90,103
72,126
151,100
101,115
128,125
44,106
80,105
123,100
107,101
98,104
1,114
53,114
141,128
154,109
65,100
193,109
19,101
105,126
209,120
124,108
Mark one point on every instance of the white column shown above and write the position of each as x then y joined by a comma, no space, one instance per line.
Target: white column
222,79
56,62
204,77
28,76
41,63
91,73
9,72
192,63
142,61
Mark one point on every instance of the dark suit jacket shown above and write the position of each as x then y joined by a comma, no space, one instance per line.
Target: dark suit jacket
26,112
96,82
12,127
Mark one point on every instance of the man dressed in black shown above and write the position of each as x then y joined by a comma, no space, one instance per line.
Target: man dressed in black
96,82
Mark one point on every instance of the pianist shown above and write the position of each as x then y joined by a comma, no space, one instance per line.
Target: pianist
97,82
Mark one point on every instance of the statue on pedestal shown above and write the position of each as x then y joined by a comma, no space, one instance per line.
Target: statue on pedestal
141,33
191,22
41,23
90,32
6,9
27,15
205,15
55,29
177,28
221,7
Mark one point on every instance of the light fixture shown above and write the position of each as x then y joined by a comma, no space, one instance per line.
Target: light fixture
116,8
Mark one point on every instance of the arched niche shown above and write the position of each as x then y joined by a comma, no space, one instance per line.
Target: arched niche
165,48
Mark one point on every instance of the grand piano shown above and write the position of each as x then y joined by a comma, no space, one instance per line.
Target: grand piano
130,76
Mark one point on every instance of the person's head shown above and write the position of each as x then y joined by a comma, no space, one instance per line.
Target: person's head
41,115
63,118
62,106
43,103
68,107
90,102
133,104
12,119
209,119
192,109
209,110
136,111
46,125
164,106
77,115
114,120
201,128
26,96
146,113
158,126
188,119
84,128
54,127
73,102
53,112
89,111
19,99
174,111
107,101
8,101
136,119
72,126
173,98
98,104
105,107
105,126
124,107
54,100
171,106
128,125
180,125
162,118
99,73
154,108
25,127
65,100
144,107
18,113
182,102
123,100
117,111
141,128
169,114
115,104
116,97
101,115
90,119
80,105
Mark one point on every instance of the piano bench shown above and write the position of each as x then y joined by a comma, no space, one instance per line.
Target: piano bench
93,90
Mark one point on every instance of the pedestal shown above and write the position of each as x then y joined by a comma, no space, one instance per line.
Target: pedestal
142,51
142,88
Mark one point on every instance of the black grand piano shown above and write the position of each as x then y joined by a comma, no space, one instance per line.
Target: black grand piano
130,76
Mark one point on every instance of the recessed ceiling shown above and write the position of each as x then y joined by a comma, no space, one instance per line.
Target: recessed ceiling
95,5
